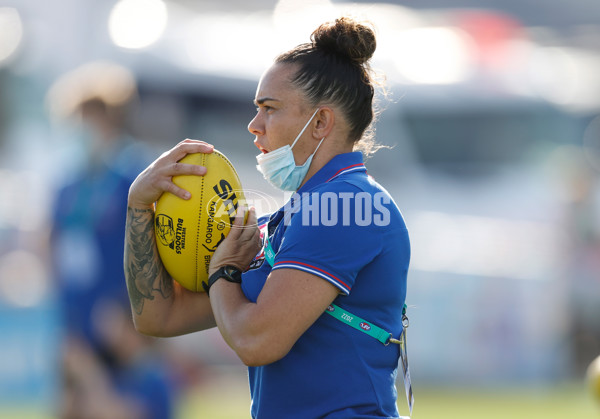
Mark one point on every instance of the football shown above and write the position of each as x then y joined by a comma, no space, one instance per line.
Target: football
189,231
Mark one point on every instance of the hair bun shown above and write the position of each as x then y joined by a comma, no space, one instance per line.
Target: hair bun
346,37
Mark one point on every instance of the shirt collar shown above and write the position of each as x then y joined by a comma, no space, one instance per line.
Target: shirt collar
337,166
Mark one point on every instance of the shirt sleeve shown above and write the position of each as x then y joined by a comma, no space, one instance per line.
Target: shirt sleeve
332,235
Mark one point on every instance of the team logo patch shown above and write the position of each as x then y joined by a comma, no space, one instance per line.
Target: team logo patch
259,259
165,229
330,309
365,326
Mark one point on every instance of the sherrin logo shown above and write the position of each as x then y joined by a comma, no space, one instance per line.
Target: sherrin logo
365,326
224,202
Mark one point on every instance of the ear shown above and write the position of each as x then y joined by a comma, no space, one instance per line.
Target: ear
323,122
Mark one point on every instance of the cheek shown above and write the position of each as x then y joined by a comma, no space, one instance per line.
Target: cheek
272,133
279,133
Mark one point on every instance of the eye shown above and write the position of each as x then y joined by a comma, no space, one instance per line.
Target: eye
266,108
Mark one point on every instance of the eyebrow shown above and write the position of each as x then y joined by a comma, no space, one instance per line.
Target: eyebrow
262,100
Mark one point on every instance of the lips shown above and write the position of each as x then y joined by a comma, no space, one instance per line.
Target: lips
263,150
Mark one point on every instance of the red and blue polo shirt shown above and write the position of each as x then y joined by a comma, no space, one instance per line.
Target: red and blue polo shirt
345,228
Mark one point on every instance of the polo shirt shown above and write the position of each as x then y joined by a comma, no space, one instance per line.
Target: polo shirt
346,229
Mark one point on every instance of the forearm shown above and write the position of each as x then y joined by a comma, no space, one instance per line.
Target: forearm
264,332
161,307
245,325
149,285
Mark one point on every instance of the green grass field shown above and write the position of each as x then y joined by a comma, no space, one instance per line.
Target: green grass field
228,399
564,402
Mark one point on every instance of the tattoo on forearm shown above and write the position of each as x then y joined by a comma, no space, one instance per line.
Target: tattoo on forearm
144,271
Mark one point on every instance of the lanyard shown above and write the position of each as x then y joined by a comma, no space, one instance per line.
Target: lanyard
369,328
360,324
350,319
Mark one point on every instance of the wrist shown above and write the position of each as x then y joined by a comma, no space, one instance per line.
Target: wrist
139,206
212,268
229,273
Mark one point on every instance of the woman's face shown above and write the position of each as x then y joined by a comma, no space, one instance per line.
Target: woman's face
282,112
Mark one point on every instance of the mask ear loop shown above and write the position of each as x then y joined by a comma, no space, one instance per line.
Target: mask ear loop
304,129
322,139
320,142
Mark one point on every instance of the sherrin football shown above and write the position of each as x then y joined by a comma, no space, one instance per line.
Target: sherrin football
189,231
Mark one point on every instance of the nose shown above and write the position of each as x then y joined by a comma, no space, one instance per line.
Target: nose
256,126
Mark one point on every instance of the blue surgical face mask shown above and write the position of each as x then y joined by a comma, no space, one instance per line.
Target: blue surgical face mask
279,166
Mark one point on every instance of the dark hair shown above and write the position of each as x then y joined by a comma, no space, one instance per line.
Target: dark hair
335,68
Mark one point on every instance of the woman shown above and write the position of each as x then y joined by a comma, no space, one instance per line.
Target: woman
339,244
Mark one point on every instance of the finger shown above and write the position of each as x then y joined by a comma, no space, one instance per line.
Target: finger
251,226
250,233
170,187
181,150
252,218
240,216
193,141
238,222
259,242
178,169
254,237
191,147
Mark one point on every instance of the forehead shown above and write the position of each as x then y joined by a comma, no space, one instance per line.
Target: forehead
276,84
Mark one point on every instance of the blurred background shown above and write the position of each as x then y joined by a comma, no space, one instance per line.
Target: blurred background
492,113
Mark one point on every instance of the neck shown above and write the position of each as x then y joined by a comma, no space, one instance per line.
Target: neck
325,153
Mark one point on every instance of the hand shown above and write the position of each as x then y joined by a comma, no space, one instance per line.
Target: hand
241,245
157,178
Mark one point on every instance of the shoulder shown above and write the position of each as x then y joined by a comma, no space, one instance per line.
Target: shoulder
356,187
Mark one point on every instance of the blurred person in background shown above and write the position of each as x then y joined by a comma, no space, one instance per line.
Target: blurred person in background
582,222
272,283
109,370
